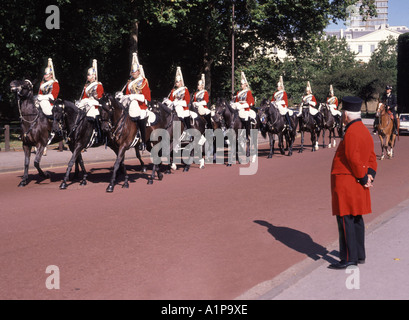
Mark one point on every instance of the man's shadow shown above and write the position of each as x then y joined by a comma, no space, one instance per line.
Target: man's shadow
298,241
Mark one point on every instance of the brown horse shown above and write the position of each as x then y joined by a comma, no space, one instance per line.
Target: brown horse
35,127
385,131
122,135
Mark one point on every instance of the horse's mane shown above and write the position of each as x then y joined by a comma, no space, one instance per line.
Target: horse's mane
164,108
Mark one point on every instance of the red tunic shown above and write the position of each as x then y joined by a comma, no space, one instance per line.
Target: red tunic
99,90
144,89
54,90
245,96
204,97
181,95
333,100
355,157
283,98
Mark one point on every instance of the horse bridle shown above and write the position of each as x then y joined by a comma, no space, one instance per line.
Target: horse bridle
28,87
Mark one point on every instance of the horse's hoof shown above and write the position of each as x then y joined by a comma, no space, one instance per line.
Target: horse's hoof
186,169
22,183
299,151
150,181
290,153
125,185
269,156
228,165
83,183
144,170
63,186
160,176
168,171
110,188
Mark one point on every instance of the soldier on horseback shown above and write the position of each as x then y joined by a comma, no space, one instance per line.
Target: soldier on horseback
389,99
332,102
180,98
281,100
48,91
92,91
309,101
201,100
243,103
139,94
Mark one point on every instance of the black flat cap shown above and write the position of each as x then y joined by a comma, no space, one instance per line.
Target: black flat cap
352,104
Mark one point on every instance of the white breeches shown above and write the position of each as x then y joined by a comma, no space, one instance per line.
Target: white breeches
46,107
136,111
181,112
313,111
333,111
90,106
203,111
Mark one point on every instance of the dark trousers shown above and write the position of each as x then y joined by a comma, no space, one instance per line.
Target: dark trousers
351,238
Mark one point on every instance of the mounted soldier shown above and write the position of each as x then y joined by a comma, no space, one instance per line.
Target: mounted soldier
137,96
332,102
281,100
309,101
389,99
243,102
179,97
48,91
93,90
201,100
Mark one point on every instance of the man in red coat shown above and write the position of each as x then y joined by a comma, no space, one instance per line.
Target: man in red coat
352,174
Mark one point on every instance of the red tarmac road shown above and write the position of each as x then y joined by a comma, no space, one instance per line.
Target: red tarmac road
204,234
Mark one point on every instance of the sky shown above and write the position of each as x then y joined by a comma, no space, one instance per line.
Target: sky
398,15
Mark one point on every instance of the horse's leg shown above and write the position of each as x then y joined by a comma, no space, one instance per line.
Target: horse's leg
152,176
281,143
37,159
271,138
84,172
27,153
74,157
302,142
138,155
323,138
119,160
313,140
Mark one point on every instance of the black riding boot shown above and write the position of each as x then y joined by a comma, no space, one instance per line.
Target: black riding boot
247,126
287,116
395,125
375,124
142,129
97,123
208,118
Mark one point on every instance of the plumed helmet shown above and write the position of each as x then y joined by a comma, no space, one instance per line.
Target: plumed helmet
202,81
308,88
280,82
331,90
50,68
94,69
135,63
243,79
179,76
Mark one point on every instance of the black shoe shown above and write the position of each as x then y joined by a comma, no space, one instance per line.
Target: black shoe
342,265
361,261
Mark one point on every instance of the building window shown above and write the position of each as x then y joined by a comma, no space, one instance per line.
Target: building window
360,49
372,48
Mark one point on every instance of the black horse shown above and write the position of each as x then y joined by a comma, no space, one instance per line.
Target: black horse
273,123
79,133
229,121
121,132
36,128
330,123
312,124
